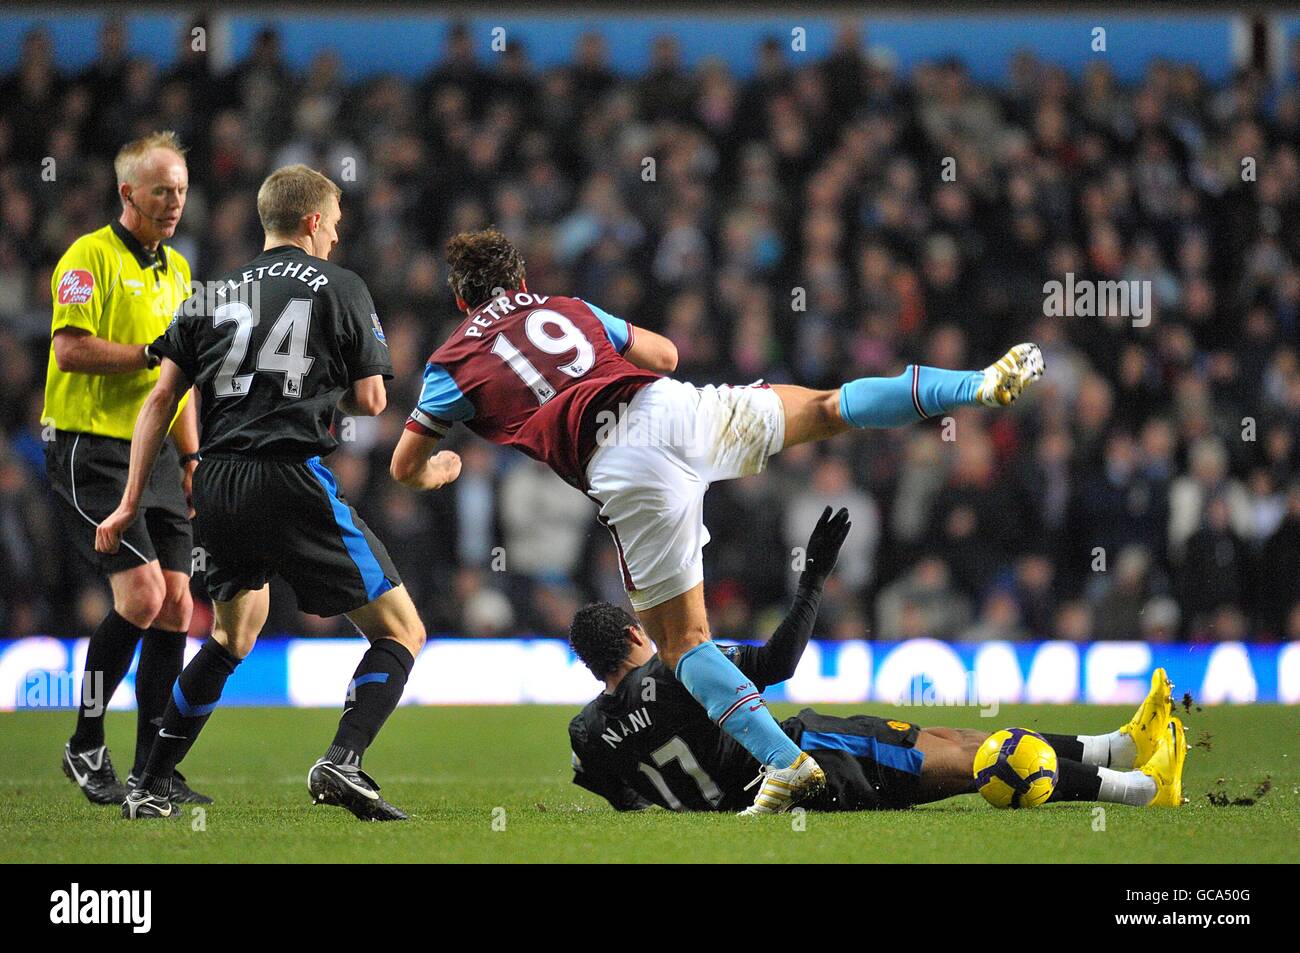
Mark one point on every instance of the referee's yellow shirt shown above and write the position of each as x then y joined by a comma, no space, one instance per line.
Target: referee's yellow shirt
107,283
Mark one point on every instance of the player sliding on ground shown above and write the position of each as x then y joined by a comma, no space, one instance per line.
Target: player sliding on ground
287,338
645,741
583,391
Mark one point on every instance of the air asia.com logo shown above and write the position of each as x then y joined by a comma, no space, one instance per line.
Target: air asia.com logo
97,907
76,286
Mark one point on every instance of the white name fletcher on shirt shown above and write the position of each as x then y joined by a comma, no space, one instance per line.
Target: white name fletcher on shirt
522,300
287,269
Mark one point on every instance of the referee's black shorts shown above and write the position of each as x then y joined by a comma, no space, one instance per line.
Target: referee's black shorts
259,517
870,763
88,475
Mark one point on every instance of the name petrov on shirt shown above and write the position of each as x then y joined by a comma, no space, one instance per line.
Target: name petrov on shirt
522,299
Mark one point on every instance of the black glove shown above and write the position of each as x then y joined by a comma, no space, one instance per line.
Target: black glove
824,547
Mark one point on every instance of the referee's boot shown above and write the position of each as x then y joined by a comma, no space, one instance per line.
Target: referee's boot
347,786
783,788
182,793
92,771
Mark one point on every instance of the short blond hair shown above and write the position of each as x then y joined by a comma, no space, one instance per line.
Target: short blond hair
288,194
132,154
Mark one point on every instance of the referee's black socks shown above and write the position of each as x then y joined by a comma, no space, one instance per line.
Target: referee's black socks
373,693
193,698
108,659
161,657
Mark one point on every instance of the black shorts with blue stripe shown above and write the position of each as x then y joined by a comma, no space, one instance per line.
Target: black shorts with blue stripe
256,518
870,763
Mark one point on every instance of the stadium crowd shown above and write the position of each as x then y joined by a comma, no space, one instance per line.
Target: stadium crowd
818,221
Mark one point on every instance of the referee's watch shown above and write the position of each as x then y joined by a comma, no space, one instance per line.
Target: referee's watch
151,360
189,458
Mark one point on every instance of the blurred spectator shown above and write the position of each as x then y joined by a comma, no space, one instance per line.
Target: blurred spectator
475,493
999,620
1207,478
1160,619
484,610
922,603
832,485
1073,621
544,521
1119,502
1124,592
1279,580
28,549
1212,569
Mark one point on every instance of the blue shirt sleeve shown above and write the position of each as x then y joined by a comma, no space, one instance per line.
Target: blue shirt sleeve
441,401
618,330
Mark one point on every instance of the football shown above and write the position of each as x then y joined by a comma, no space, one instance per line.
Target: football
1015,767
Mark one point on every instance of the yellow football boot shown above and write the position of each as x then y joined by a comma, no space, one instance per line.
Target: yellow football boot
1166,766
1149,722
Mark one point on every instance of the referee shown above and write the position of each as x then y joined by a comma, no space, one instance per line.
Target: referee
115,290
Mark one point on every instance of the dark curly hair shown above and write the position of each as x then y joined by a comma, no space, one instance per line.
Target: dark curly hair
598,636
480,262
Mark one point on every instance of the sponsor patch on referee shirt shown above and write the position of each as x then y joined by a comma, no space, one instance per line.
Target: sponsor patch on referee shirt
76,286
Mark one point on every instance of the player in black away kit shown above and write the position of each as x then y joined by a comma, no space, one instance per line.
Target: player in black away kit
646,741
286,339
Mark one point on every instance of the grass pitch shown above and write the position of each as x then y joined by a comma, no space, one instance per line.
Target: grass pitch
486,784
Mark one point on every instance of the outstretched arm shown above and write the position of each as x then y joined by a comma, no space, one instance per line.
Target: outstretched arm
146,440
415,464
645,349
777,660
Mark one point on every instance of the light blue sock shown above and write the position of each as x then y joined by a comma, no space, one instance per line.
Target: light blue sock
916,394
735,705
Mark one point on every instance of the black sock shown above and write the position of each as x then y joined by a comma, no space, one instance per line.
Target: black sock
161,657
108,659
1075,781
193,698
1067,746
373,693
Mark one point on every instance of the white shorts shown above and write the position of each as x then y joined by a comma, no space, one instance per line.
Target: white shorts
651,471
